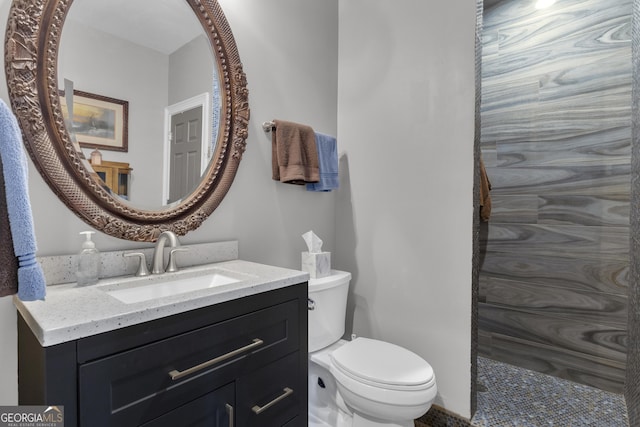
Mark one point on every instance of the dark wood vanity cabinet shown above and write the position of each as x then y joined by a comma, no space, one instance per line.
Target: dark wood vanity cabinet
238,363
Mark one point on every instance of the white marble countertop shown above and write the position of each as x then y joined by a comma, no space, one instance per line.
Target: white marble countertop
70,312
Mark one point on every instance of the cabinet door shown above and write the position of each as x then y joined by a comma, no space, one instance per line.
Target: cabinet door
115,175
215,409
300,421
271,396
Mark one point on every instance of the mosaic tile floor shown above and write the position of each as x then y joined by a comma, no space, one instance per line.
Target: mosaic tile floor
517,397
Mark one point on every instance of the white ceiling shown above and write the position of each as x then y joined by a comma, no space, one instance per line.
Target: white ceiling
162,25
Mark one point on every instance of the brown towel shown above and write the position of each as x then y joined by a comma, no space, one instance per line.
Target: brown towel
294,154
8,260
485,198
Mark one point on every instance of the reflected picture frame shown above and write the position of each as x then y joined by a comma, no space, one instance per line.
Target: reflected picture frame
98,121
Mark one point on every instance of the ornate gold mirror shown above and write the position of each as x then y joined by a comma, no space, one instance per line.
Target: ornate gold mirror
39,35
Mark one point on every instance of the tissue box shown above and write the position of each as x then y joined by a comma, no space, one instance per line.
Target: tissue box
316,264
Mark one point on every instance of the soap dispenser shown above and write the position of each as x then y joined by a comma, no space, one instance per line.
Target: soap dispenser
88,262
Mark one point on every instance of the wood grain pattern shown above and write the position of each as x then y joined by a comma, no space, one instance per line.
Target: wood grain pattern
561,272
583,337
556,139
596,243
568,180
603,373
572,304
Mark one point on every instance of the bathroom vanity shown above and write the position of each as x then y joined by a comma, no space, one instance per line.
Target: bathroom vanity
231,356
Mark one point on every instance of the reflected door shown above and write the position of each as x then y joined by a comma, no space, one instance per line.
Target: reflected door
186,149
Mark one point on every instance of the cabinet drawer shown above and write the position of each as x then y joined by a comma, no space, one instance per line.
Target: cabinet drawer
136,386
271,396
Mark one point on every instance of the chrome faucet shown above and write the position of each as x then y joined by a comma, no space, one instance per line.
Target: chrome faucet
157,266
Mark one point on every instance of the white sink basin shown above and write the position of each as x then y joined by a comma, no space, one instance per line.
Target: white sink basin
153,287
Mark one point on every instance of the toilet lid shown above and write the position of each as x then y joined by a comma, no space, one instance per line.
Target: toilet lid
382,363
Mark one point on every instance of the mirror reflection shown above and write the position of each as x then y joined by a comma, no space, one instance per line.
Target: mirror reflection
154,58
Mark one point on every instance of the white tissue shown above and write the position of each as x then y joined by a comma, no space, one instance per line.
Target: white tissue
314,243
315,262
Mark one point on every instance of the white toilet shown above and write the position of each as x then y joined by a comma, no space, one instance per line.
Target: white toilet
362,382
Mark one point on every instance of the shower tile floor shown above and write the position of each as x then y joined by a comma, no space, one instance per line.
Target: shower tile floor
513,396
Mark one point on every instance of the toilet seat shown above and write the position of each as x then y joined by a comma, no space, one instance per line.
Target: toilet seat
383,380
383,365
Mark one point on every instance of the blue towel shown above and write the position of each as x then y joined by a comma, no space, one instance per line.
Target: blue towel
327,148
31,281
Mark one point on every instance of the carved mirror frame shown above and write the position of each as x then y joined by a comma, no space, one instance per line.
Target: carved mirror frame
32,41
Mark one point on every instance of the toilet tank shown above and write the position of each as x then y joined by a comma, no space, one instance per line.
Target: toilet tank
327,309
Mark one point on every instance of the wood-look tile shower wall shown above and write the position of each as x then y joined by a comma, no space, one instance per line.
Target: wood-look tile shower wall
556,133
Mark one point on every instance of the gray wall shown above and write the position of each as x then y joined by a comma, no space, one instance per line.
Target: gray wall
190,70
556,131
404,212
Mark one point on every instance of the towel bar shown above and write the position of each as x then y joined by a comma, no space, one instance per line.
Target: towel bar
268,126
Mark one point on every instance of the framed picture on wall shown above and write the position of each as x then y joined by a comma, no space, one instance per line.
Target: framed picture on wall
98,121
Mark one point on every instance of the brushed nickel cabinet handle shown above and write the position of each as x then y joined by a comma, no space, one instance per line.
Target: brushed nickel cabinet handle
176,375
230,413
260,409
